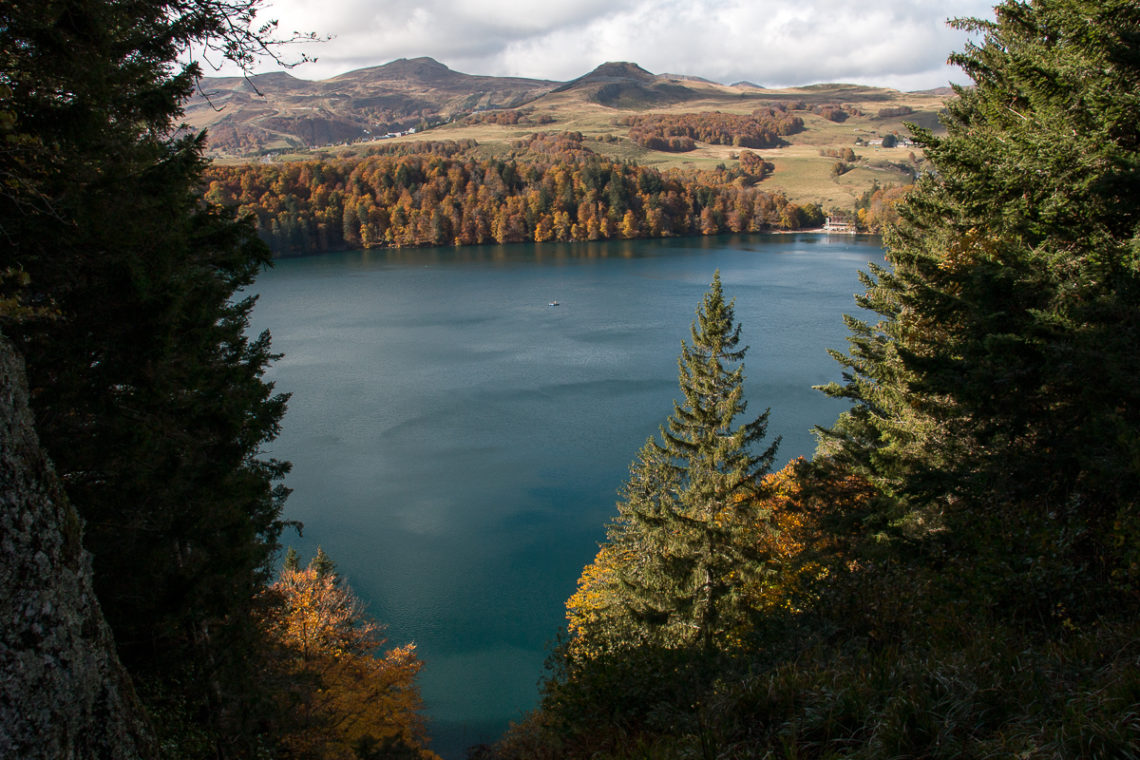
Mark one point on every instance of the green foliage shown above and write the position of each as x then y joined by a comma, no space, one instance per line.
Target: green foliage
148,394
685,523
603,703
972,591
970,688
991,693
323,565
717,469
995,402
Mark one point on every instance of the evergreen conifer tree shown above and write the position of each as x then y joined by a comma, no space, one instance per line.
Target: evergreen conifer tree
641,595
148,393
996,407
323,566
686,523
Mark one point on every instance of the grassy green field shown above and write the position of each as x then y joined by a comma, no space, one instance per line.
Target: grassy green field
802,172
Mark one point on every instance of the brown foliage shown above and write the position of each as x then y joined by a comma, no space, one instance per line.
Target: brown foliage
564,145
509,118
677,132
894,112
422,147
431,200
835,112
843,154
877,207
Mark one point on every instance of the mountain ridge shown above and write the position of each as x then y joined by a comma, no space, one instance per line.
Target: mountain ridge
277,111
247,114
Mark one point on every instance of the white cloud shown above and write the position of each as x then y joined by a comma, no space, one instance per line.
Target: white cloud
769,42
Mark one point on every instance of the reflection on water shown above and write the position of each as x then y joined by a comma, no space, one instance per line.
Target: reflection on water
457,442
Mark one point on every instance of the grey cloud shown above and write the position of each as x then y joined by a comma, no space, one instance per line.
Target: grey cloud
768,42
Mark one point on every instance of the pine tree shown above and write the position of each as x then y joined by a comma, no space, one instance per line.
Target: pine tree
685,522
323,566
148,393
641,596
996,407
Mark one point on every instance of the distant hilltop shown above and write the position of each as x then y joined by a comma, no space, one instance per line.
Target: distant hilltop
276,111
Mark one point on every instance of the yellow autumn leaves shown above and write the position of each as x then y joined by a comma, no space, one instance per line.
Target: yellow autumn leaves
785,530
346,697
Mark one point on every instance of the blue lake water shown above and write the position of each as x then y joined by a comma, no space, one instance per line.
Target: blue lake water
457,442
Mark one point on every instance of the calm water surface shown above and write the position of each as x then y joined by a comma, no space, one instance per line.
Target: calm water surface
457,442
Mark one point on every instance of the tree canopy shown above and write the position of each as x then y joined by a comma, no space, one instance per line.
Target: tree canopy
343,697
124,296
995,402
962,573
675,566
444,193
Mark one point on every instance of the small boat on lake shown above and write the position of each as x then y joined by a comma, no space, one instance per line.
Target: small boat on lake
553,303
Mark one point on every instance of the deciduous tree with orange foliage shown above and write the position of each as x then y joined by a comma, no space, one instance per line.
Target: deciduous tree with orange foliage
877,207
346,698
441,197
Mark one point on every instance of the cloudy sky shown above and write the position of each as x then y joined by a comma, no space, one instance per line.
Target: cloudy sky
899,43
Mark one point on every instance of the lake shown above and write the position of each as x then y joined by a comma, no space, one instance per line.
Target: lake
457,442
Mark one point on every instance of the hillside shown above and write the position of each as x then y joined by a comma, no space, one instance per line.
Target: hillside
349,114
274,111
628,86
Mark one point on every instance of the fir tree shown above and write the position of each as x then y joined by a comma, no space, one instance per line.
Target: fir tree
640,599
323,566
686,521
996,407
148,393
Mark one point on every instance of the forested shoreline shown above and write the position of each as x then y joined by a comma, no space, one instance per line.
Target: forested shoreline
955,574
433,194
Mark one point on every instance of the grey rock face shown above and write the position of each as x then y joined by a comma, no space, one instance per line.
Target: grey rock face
63,692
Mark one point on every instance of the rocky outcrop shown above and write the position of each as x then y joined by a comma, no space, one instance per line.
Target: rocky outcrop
63,692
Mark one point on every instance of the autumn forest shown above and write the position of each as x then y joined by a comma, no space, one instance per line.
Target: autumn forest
556,190
954,573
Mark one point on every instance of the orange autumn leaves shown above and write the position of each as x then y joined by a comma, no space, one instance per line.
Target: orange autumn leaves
789,540
346,698
675,133
558,190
